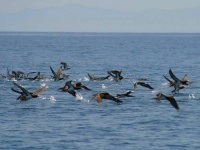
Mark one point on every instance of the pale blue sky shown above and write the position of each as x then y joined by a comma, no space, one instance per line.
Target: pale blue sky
100,15
124,5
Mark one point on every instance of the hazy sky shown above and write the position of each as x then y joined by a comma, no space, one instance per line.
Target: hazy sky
132,15
7,6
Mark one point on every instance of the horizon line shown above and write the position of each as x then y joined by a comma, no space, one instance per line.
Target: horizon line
99,32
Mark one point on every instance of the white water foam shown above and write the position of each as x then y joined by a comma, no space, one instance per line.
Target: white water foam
84,79
43,85
154,91
103,86
80,97
192,96
52,99
165,83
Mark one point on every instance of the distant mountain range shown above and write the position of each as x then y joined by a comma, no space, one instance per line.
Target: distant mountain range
76,18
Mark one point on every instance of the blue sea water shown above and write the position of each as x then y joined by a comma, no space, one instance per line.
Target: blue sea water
57,120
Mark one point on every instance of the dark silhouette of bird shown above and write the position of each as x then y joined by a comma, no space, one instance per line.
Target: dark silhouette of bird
65,66
178,84
92,77
57,76
105,95
68,87
171,83
127,94
25,94
116,74
142,84
171,99
79,85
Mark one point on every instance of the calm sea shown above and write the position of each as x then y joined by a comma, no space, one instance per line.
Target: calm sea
57,120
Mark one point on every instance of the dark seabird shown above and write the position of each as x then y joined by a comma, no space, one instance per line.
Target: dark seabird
65,66
68,87
172,83
116,74
105,95
92,77
39,76
127,94
16,76
79,85
32,72
183,81
20,74
64,76
57,76
142,84
171,99
8,75
178,84
30,78
26,95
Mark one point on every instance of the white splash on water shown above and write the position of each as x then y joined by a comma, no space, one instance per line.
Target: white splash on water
84,79
80,97
103,86
46,80
192,96
165,83
154,91
52,99
13,79
43,85
111,79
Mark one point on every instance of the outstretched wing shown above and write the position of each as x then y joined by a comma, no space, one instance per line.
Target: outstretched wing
92,77
37,92
172,102
173,76
16,91
86,88
72,92
97,97
171,82
111,97
23,89
59,72
110,74
30,73
127,94
65,66
53,71
145,85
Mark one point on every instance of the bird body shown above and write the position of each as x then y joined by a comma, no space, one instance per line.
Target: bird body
105,95
57,75
92,77
25,94
178,84
127,94
142,84
171,99
116,74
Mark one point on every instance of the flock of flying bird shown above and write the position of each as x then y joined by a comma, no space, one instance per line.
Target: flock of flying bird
70,87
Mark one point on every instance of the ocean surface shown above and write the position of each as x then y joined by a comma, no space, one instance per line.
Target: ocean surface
58,120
